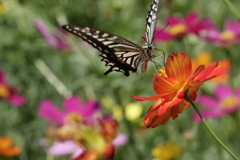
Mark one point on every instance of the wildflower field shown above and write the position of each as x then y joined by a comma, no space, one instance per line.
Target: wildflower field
180,101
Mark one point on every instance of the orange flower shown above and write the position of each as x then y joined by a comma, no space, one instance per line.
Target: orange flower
205,58
6,148
171,86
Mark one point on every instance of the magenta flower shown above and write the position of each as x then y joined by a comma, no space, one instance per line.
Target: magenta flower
225,101
47,110
9,93
178,28
54,40
229,36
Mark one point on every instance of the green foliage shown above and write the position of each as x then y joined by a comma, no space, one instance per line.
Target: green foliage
81,72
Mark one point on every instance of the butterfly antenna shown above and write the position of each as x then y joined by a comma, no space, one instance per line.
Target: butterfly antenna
161,30
144,39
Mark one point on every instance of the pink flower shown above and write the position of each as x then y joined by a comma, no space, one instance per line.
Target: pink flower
59,148
9,93
178,28
229,36
54,40
47,110
224,102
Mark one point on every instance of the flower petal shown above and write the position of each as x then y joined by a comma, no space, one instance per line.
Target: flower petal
64,147
178,66
49,111
238,92
173,21
222,92
16,100
73,105
151,98
190,19
120,140
208,102
206,115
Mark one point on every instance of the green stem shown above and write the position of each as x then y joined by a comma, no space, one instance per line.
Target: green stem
209,129
52,79
232,8
231,71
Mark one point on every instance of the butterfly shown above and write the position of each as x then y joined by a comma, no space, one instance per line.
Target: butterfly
118,53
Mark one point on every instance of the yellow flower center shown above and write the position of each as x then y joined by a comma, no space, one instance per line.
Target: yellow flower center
227,36
4,92
162,72
177,29
229,102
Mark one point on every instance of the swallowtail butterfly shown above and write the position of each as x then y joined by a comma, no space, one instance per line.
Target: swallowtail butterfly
118,53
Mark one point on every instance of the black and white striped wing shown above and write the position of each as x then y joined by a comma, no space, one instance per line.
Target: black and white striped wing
151,21
118,53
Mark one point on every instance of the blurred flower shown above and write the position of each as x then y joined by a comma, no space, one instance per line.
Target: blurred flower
133,111
171,86
97,140
9,93
188,135
229,36
54,40
59,148
178,28
3,7
6,148
50,112
204,58
168,151
80,134
225,101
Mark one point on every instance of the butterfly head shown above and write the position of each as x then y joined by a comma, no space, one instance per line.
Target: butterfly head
149,46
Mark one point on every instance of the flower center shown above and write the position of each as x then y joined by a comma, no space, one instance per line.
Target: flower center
162,72
227,36
4,92
229,102
177,29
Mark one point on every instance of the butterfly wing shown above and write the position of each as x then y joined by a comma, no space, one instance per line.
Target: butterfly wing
118,53
151,21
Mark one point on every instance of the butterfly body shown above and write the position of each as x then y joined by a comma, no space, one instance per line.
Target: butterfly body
118,53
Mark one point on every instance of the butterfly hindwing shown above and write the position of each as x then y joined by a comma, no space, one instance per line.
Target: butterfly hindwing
118,53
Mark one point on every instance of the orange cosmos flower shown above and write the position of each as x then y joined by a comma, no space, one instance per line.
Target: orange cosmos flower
175,80
6,148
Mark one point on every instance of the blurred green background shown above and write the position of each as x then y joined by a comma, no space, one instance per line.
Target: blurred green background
81,71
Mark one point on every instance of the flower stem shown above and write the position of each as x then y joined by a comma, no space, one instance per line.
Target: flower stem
52,79
209,129
232,8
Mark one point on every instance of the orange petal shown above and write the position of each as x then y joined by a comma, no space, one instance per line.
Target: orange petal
178,66
153,120
5,143
12,151
164,85
211,71
151,98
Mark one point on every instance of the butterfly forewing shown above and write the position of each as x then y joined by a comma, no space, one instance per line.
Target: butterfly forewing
118,53
151,21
